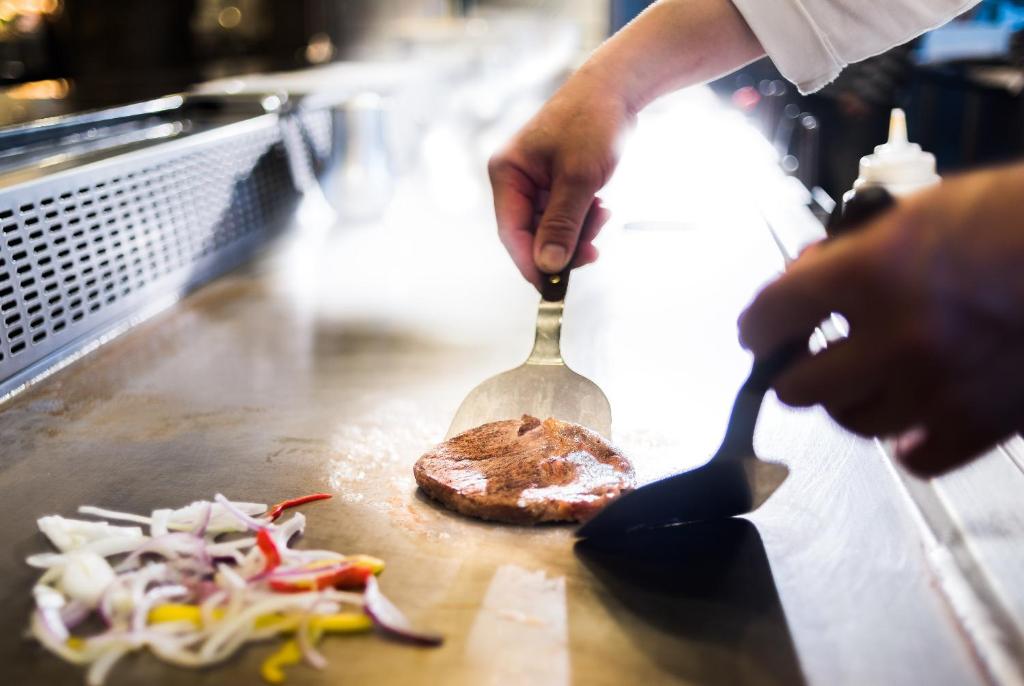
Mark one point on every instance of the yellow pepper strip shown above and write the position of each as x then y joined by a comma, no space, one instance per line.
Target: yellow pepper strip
375,564
341,623
75,643
281,624
178,612
288,654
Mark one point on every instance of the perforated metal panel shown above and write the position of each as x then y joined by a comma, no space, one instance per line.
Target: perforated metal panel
80,250
318,130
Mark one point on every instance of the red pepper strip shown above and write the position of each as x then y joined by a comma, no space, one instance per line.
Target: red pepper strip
275,512
350,577
269,549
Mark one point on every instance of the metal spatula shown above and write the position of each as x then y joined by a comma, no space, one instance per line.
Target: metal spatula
735,481
543,386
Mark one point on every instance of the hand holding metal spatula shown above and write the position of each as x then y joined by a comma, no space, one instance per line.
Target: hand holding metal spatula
735,481
543,386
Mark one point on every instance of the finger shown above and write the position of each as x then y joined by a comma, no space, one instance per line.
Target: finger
597,216
514,199
586,254
833,278
560,227
520,248
969,417
948,445
809,250
888,412
842,375
596,219
905,390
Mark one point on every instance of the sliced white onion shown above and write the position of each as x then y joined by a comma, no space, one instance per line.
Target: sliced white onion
113,514
45,560
43,632
71,534
80,579
158,523
86,576
296,524
101,667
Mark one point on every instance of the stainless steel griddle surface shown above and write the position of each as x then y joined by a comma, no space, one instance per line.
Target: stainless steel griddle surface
335,362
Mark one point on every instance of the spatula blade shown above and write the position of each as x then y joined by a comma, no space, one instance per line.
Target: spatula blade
718,490
539,390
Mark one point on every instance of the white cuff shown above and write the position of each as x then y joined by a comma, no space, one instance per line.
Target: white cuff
798,47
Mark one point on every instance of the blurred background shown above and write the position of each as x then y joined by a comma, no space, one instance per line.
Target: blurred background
59,56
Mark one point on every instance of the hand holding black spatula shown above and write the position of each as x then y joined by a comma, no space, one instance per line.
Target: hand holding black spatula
735,481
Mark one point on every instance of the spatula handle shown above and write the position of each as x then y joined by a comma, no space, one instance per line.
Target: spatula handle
554,286
862,208
740,432
767,369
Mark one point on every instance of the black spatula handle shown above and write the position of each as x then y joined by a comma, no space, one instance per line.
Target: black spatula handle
554,286
767,369
862,208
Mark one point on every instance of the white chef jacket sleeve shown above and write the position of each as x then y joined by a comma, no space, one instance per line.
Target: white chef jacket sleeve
811,41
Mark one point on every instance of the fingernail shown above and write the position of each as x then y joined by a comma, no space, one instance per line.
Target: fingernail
910,440
552,258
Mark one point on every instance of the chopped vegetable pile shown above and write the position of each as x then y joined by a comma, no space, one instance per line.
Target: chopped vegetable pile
206,580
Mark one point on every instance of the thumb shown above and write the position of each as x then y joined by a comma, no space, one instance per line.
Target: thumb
562,222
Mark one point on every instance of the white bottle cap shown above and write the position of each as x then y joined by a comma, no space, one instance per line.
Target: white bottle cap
901,167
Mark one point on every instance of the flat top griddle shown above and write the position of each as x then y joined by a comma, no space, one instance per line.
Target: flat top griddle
292,376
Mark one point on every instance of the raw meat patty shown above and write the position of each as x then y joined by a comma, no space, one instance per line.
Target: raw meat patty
525,471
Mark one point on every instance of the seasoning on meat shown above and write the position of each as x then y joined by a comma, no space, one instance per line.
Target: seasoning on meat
525,471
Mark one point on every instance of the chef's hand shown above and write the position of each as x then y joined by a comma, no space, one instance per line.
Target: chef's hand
934,294
545,181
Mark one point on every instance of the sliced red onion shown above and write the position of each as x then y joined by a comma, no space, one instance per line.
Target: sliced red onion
390,619
168,546
187,574
74,613
306,647
250,522
105,606
301,572
204,520
151,598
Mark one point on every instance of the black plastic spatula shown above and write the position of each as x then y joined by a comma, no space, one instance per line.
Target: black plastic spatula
735,481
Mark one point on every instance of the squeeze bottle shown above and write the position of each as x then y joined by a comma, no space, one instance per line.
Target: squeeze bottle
898,166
